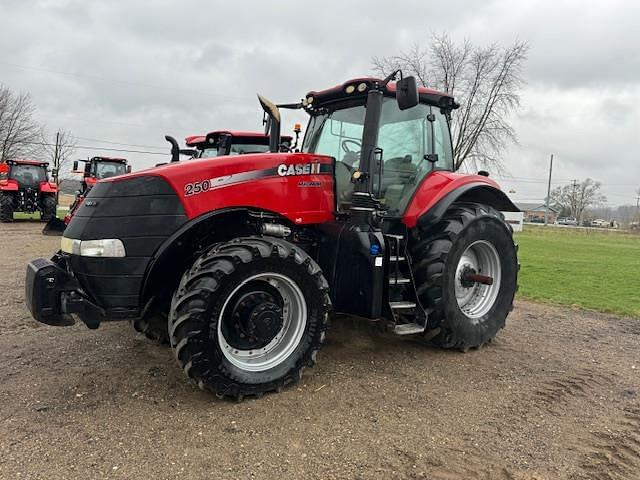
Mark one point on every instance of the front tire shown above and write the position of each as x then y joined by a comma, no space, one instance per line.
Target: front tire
249,316
6,208
470,240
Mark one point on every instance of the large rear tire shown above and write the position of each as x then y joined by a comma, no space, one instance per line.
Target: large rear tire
471,240
249,316
6,208
49,206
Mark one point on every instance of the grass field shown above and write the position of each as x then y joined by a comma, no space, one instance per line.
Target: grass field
60,213
595,270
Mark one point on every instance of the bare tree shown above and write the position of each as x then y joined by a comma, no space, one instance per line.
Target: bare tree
578,197
485,80
60,152
19,132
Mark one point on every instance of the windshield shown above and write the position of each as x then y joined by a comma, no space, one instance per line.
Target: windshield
104,169
29,175
238,147
405,137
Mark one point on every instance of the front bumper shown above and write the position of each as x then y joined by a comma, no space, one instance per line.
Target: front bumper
53,295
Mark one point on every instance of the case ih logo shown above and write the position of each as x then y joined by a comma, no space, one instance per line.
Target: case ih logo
285,170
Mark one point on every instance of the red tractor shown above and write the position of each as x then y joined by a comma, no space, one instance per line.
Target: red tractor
96,168
240,260
25,187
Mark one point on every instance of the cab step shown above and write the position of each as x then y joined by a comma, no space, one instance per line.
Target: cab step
408,329
403,305
399,281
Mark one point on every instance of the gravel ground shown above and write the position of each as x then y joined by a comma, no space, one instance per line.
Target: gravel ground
556,396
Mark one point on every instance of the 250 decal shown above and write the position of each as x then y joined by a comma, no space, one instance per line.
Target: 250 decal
197,187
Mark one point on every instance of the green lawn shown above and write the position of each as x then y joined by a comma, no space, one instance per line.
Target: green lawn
60,213
595,270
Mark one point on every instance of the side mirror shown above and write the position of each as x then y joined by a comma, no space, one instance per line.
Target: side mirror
75,166
407,93
128,168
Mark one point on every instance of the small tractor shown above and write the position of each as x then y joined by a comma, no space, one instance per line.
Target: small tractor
239,261
96,168
25,187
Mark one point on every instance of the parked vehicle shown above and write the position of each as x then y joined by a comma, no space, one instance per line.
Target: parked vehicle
567,221
25,187
240,260
600,223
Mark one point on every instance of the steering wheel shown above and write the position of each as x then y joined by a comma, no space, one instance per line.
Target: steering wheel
346,143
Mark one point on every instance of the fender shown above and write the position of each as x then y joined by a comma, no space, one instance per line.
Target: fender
175,254
8,185
440,189
48,187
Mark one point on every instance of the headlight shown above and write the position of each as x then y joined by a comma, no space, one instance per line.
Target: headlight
109,247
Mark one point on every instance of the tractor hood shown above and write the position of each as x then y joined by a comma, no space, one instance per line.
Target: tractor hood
156,202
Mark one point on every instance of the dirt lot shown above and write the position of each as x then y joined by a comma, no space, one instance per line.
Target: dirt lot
557,396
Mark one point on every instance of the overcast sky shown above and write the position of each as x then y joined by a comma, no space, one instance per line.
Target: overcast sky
131,72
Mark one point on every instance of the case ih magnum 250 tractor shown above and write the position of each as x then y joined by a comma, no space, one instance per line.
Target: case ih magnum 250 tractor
96,168
246,256
25,187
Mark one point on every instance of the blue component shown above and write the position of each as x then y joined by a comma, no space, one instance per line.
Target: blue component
374,249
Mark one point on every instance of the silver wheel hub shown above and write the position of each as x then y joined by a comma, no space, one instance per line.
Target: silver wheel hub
475,299
283,317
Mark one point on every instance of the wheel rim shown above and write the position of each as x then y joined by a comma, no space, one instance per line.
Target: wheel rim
262,322
476,299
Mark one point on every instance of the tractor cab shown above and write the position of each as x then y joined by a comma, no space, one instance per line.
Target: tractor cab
411,142
225,142
99,168
26,173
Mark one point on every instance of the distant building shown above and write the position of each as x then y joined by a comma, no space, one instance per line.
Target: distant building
534,212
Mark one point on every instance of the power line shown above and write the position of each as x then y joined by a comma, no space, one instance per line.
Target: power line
119,143
90,147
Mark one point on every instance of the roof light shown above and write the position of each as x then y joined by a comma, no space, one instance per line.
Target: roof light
350,89
362,87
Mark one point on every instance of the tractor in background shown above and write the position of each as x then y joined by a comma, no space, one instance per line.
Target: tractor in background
25,187
220,143
241,260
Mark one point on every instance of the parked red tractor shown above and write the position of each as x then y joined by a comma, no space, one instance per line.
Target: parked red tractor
96,168
25,187
246,256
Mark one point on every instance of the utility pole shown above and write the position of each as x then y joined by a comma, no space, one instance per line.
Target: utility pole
56,162
546,209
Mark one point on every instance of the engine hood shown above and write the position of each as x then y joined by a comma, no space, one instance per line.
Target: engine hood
259,180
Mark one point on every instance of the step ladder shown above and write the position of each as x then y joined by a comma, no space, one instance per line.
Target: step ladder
408,315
